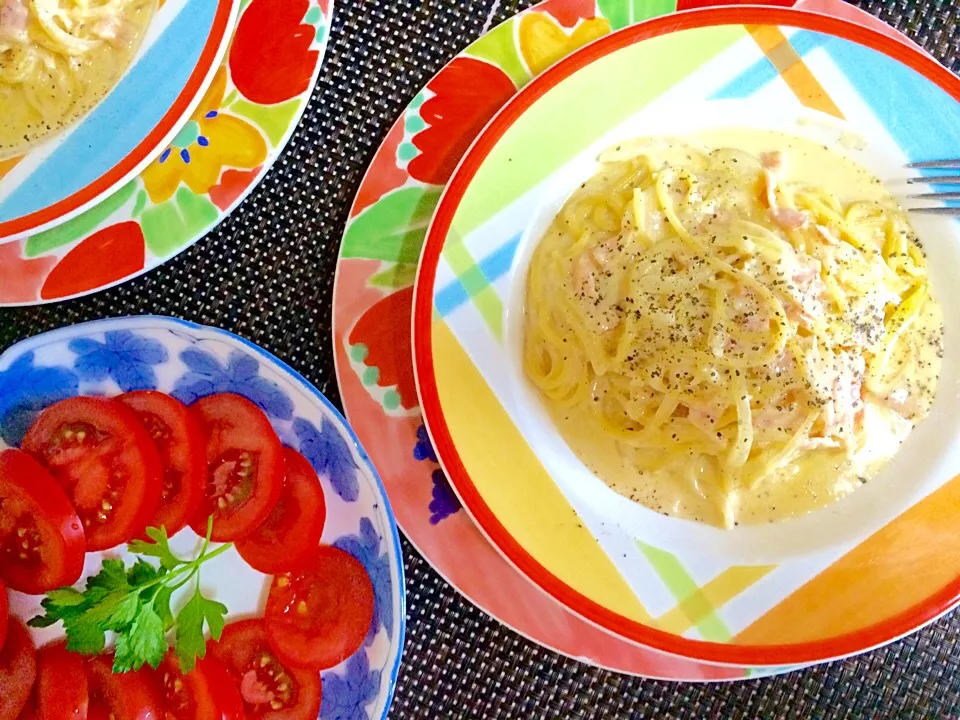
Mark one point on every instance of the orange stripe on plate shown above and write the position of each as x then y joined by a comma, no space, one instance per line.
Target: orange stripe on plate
889,573
8,165
709,598
792,69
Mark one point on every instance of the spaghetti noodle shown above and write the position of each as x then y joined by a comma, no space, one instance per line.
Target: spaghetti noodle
715,337
58,58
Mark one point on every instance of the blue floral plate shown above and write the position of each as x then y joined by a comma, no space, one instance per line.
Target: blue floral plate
189,361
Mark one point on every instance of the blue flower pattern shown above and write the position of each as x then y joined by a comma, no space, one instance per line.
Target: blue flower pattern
26,389
365,547
443,502
241,375
123,356
345,697
330,456
423,450
130,360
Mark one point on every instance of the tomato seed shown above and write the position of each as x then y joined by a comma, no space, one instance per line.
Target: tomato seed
22,543
267,683
231,478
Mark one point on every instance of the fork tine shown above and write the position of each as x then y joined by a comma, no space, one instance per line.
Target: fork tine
936,196
954,211
936,180
949,164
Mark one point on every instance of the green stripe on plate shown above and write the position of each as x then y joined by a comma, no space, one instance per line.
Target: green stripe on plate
621,14
686,591
562,123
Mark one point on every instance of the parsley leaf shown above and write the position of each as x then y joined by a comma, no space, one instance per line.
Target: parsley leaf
189,640
144,643
161,605
86,639
112,576
143,572
215,614
190,643
60,605
134,603
159,548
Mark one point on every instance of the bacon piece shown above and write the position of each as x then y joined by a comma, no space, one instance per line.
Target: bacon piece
772,160
13,20
789,219
770,181
115,30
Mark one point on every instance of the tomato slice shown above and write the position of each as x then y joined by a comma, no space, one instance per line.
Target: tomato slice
29,711
104,458
61,684
18,670
270,689
208,692
4,613
131,695
179,442
226,694
41,537
295,525
319,615
244,466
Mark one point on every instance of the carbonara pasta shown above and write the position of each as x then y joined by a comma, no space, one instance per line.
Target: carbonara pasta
724,341
58,58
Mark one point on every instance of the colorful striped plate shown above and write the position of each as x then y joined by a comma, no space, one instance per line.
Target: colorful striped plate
839,581
60,177
221,151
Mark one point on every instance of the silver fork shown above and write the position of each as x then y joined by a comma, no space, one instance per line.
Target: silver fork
937,180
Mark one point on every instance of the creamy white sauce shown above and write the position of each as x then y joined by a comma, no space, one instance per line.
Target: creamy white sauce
818,476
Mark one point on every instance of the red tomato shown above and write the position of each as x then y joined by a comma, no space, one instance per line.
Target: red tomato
61,684
270,690
244,466
41,538
208,692
318,616
18,670
29,711
179,442
295,525
4,613
121,696
226,694
103,457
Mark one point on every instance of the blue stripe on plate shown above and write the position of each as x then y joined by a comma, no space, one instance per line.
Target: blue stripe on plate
123,119
493,267
922,119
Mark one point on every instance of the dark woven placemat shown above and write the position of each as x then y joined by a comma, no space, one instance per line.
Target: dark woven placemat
267,274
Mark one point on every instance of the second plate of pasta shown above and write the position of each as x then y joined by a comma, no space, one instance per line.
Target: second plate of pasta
680,346
91,91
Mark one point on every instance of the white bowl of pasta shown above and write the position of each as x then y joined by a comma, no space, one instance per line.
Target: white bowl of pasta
635,366
681,351
92,91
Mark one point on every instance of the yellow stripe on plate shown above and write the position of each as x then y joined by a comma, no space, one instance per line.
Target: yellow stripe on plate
516,486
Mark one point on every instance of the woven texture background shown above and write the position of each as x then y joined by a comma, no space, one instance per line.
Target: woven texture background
267,274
